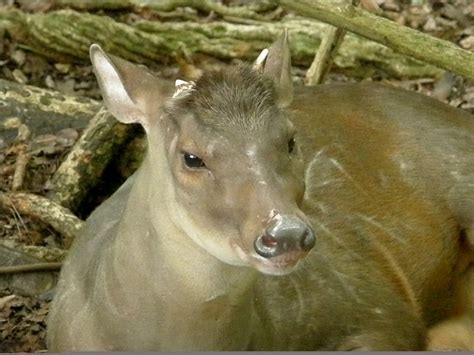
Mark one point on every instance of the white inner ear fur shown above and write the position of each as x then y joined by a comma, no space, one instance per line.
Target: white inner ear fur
115,96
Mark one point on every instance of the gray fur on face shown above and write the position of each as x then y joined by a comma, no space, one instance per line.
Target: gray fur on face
239,99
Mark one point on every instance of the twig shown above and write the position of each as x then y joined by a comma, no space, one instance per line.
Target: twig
22,157
15,269
18,220
4,300
323,59
324,56
402,39
58,217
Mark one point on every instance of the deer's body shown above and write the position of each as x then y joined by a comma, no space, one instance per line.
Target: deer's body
402,159
383,173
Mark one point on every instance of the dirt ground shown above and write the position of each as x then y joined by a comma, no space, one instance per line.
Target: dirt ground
22,317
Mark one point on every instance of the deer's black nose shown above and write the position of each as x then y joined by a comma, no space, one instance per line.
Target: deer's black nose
284,233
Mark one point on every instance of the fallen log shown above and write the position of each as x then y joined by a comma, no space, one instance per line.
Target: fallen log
66,35
82,169
250,11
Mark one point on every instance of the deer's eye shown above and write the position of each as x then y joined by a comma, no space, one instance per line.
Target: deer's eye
291,145
192,161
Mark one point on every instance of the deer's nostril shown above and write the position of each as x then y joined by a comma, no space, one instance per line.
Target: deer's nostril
308,240
285,234
269,241
266,246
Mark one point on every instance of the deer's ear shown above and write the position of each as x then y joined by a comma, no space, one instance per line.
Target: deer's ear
278,68
126,88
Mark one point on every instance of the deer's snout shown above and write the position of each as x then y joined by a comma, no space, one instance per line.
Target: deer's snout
284,233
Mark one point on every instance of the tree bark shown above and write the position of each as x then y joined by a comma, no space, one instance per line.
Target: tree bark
43,111
250,11
66,35
402,39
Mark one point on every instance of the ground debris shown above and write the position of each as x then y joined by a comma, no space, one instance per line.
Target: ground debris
22,324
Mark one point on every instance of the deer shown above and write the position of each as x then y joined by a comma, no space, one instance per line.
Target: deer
271,217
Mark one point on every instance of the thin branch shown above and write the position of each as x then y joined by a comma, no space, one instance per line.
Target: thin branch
54,266
325,54
22,157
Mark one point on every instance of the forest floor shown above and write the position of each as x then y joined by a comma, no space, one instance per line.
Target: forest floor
22,317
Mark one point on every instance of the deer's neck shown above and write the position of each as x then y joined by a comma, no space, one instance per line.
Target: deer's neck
167,250
186,286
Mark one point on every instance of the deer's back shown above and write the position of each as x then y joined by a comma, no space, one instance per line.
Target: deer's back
382,165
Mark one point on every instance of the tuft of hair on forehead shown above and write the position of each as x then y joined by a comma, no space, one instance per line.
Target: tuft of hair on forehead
237,99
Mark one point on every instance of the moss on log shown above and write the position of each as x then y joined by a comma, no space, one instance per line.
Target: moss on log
249,11
66,35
